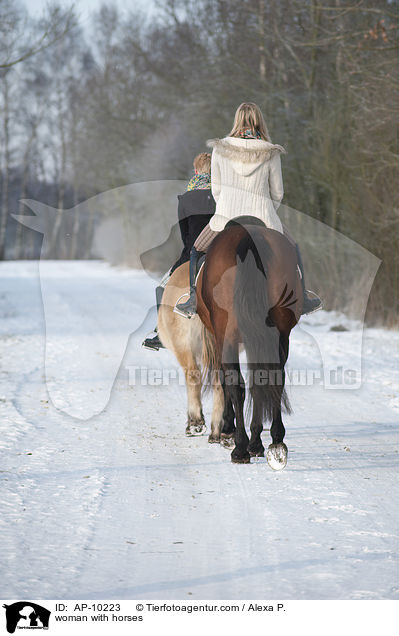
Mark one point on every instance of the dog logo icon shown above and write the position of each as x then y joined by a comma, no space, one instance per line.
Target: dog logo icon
26,615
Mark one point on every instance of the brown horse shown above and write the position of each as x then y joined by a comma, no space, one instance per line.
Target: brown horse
249,292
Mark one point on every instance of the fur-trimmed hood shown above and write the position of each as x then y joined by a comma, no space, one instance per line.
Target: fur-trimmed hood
245,150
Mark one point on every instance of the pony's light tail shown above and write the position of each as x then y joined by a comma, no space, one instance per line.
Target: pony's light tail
261,339
210,363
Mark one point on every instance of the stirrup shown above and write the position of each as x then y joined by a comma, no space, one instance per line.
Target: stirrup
150,347
315,297
148,343
178,311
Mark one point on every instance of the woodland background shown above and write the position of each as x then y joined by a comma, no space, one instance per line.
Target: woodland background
131,96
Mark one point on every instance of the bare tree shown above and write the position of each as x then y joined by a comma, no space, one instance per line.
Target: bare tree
53,26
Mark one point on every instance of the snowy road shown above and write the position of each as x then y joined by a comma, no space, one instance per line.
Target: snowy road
123,505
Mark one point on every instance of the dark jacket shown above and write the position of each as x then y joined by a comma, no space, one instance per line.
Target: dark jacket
196,208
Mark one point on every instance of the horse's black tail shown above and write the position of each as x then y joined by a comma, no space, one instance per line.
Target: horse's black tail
261,339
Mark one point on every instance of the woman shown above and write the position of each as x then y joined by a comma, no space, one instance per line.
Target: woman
246,180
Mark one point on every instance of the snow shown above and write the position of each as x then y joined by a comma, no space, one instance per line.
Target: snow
103,496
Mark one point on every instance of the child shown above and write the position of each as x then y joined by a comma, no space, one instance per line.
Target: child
196,208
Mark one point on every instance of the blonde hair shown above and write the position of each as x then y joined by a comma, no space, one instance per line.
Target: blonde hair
202,162
249,115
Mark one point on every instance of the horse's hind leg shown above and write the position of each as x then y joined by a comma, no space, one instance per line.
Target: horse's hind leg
235,386
277,430
278,451
255,446
228,426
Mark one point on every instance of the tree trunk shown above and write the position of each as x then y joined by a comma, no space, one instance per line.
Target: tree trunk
53,248
261,24
19,251
6,166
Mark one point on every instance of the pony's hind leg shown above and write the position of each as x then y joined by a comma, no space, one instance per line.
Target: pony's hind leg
217,412
195,418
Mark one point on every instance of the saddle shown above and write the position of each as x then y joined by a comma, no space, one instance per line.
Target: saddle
245,220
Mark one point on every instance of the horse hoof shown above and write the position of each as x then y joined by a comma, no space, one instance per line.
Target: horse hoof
227,440
257,453
240,459
277,456
213,439
195,428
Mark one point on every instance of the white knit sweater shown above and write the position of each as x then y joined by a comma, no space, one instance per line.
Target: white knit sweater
246,179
